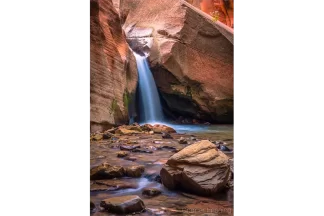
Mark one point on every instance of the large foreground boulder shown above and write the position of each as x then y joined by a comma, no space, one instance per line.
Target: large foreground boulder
123,204
199,168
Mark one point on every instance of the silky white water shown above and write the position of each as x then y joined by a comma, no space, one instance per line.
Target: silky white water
150,105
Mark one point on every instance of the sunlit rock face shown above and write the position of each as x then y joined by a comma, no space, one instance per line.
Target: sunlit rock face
191,57
225,9
112,68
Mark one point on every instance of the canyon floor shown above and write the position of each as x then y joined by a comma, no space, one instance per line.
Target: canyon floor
152,152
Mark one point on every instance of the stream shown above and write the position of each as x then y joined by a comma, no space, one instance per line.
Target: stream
168,202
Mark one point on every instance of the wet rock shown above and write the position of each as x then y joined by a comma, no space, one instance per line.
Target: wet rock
161,161
169,147
152,176
107,135
132,142
158,128
176,150
158,179
129,147
136,124
123,204
124,131
182,140
193,138
134,127
151,192
110,185
96,137
152,148
122,154
156,212
218,142
114,146
106,171
134,171
199,168
147,127
223,148
142,150
159,147
98,187
157,142
131,158
166,136
114,138
111,130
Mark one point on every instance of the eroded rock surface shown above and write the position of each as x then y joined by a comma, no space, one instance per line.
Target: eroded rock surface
199,168
134,171
106,171
151,192
123,204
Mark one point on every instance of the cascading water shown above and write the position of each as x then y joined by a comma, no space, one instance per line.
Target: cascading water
150,105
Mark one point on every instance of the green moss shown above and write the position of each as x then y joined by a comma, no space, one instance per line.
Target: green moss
194,89
215,15
113,106
175,90
126,99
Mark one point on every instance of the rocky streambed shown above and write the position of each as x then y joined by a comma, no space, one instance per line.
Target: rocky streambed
196,177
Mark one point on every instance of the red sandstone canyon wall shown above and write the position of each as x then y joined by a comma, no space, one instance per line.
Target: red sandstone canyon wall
113,73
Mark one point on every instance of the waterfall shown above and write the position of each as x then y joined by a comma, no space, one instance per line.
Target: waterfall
150,105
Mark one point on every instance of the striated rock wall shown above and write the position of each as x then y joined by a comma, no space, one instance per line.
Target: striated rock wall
191,57
113,73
